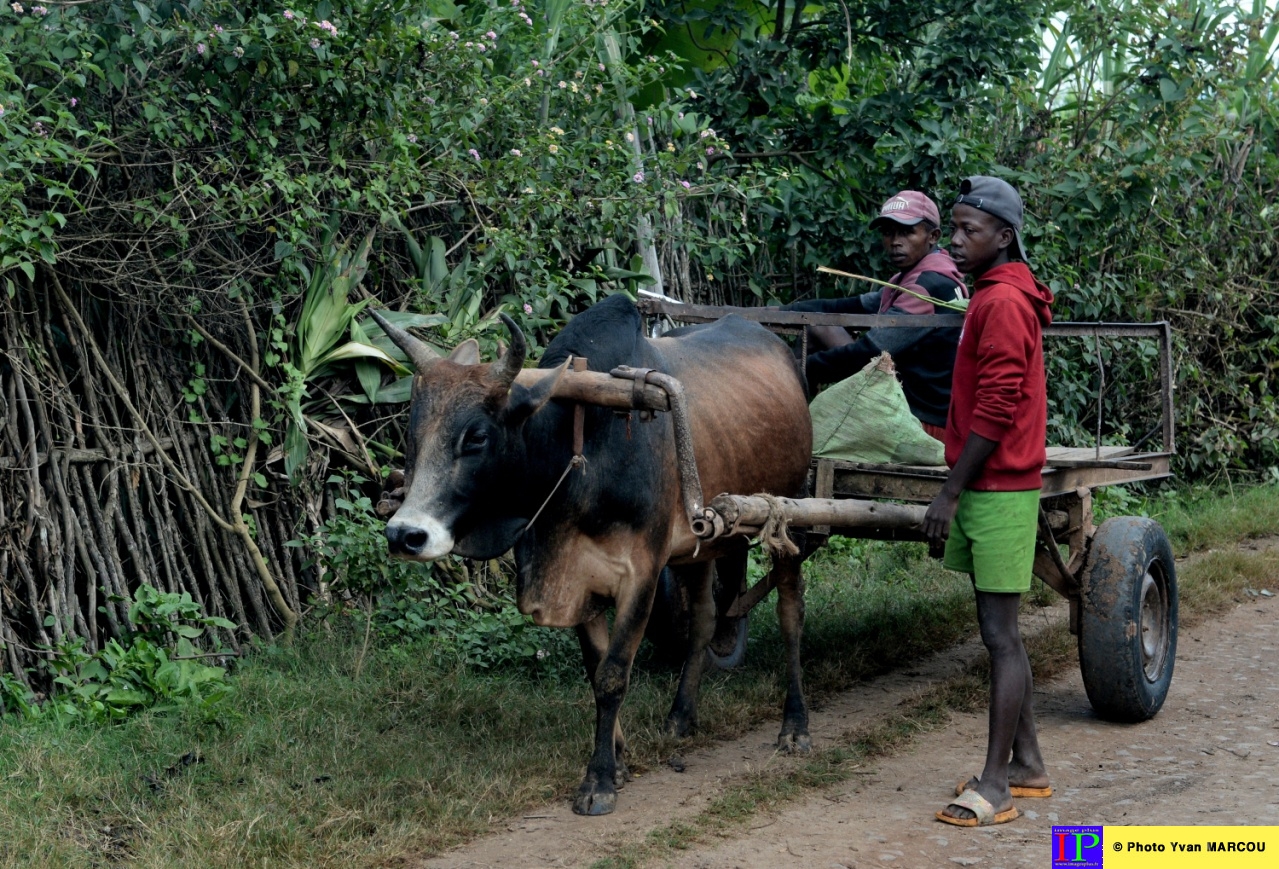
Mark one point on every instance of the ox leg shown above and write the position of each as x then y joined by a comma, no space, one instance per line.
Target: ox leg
593,638
790,614
597,794
699,579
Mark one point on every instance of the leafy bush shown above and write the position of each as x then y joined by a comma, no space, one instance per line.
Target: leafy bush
156,667
468,612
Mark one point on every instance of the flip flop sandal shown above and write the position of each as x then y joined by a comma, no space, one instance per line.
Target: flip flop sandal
982,808
1015,790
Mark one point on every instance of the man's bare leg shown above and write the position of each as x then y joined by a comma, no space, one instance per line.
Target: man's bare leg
1011,731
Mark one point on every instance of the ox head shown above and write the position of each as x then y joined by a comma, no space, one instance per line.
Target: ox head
463,449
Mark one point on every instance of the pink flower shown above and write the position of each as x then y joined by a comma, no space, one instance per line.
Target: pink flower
474,153
638,177
217,28
686,185
528,309
515,152
536,64
199,48
710,151
75,101
412,138
601,67
491,36
288,14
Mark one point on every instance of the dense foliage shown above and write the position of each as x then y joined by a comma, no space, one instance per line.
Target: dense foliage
198,199
1140,134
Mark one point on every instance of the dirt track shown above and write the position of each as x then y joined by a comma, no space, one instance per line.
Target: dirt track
1211,756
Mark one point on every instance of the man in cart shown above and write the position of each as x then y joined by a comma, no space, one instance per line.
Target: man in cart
988,509
910,227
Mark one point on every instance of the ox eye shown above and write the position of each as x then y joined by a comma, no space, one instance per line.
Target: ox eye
473,441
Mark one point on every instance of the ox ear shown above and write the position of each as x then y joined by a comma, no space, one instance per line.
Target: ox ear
530,392
466,353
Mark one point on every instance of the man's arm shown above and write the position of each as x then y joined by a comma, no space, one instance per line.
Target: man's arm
866,303
835,364
942,511
1001,368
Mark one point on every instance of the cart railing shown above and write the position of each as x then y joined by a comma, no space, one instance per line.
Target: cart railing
793,322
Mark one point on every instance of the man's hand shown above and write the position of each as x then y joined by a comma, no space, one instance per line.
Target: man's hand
942,511
939,516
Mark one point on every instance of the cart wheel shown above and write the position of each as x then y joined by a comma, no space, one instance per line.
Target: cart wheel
727,650
1128,629
667,626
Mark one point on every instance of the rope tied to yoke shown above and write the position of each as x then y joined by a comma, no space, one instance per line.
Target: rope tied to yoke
578,461
774,532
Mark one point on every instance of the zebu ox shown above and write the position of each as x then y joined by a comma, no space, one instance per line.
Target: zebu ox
488,443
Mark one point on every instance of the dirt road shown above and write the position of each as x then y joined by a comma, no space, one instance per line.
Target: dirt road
1211,756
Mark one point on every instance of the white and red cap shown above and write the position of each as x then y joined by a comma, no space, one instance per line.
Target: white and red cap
908,208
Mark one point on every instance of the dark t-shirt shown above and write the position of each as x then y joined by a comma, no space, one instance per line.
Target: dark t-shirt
924,357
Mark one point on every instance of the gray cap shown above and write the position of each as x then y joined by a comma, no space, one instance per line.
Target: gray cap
998,197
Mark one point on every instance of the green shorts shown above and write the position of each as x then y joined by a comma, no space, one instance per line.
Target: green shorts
993,539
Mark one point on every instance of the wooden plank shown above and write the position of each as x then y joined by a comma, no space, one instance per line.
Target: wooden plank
1100,463
825,487
1060,481
921,484
1088,453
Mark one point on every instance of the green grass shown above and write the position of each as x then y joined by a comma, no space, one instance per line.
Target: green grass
1200,518
309,764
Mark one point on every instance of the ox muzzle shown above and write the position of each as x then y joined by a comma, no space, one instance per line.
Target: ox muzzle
417,536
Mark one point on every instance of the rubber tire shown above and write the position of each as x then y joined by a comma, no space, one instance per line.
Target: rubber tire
667,627
1126,650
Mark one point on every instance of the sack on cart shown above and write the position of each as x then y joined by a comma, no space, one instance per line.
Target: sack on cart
865,418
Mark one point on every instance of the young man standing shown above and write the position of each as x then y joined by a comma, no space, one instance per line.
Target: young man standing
988,508
909,226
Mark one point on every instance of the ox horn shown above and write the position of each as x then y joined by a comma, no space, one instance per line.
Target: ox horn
419,353
509,364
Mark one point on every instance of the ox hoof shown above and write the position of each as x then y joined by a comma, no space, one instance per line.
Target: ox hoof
794,743
680,726
592,799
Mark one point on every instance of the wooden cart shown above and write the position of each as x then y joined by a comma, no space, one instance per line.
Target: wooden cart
1119,578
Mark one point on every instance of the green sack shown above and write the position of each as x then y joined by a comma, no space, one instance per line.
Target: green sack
865,418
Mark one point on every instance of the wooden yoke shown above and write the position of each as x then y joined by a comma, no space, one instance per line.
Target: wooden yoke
598,388
627,388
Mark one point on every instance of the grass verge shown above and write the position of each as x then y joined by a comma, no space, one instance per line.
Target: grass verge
331,754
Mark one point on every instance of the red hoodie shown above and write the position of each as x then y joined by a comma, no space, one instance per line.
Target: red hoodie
998,388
